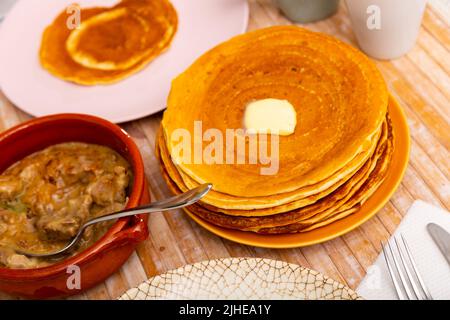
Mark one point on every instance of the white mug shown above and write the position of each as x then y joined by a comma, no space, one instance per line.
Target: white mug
386,29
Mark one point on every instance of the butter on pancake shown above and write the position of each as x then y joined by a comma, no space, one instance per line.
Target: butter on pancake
110,44
270,115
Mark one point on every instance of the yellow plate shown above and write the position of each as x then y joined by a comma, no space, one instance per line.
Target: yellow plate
338,228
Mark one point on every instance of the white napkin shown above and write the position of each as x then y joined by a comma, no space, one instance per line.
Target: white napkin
431,263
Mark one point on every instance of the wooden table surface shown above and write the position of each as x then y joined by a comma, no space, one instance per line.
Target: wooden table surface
420,81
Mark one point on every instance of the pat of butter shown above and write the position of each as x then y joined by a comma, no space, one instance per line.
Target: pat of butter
270,116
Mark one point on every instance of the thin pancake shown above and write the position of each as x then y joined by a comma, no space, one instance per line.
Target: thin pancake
118,39
339,96
55,58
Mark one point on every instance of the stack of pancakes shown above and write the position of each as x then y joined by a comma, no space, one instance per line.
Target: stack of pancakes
104,45
333,162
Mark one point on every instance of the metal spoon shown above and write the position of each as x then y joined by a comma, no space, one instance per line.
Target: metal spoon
176,202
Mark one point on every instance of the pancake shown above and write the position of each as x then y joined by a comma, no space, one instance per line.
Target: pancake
260,206
109,45
117,40
338,94
322,208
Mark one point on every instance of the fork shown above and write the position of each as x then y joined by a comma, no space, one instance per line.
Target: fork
405,276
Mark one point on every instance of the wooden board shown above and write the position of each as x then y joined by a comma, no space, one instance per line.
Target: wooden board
421,83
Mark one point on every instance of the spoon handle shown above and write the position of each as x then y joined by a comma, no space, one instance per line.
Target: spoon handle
176,202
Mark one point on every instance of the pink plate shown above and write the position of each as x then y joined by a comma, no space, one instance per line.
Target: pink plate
202,24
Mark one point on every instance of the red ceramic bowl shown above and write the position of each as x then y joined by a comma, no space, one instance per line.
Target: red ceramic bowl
105,256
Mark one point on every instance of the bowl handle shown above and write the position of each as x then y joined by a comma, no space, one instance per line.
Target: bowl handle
137,232
134,232
137,229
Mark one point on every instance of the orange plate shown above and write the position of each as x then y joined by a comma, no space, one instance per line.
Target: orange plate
338,228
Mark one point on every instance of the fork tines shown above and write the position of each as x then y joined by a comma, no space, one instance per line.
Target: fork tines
402,268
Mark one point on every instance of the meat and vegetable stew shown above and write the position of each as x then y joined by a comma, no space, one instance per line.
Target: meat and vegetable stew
46,197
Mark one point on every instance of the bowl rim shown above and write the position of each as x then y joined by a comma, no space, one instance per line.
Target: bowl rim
135,194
